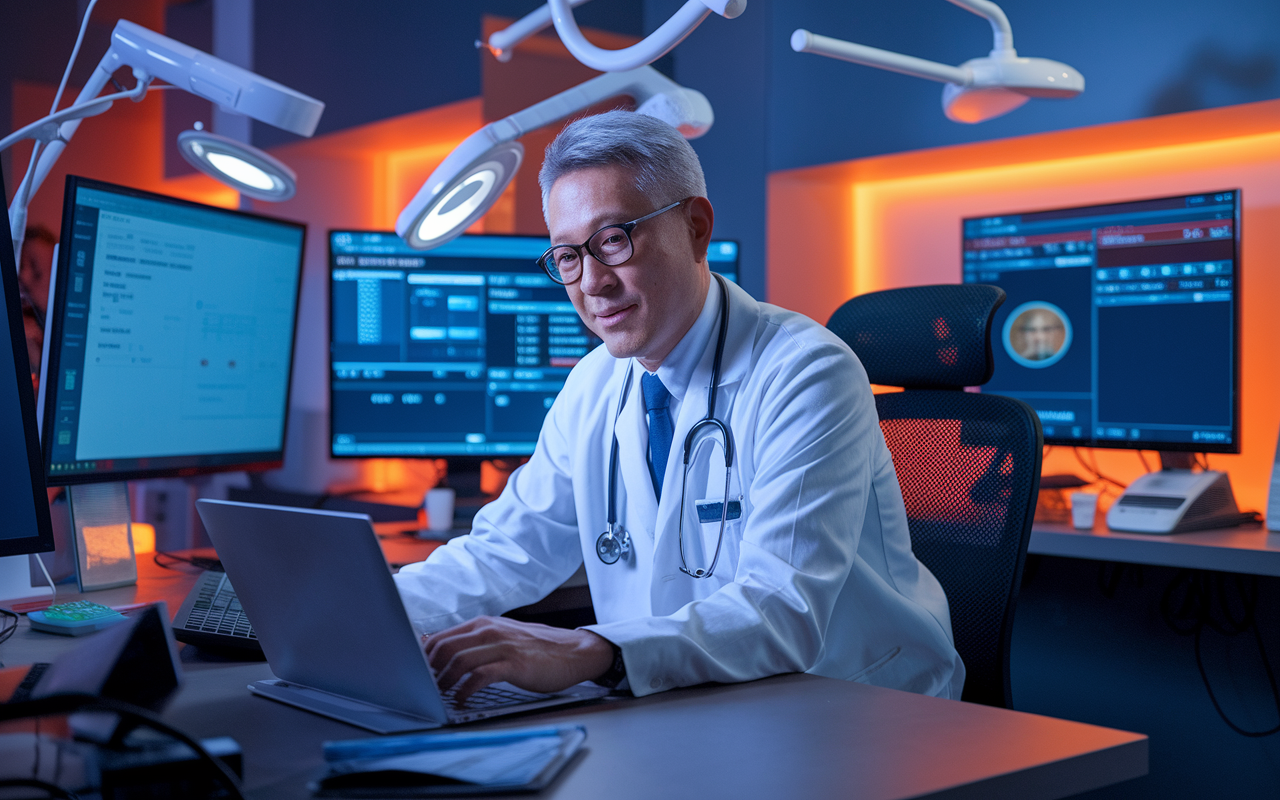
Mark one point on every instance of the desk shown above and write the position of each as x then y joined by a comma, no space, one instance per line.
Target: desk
1247,549
786,736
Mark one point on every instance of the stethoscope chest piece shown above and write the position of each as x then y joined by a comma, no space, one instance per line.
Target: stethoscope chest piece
613,544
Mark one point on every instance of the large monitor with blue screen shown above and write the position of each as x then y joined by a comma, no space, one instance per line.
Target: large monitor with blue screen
455,351
1121,327
26,526
171,337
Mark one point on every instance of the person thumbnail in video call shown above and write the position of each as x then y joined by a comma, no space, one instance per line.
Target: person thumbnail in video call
1038,333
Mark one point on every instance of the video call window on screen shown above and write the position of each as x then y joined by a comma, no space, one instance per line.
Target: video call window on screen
455,351
1121,323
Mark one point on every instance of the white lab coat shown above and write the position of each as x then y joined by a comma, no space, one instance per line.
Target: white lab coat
817,574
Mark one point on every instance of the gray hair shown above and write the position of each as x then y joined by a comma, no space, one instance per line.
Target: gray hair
665,166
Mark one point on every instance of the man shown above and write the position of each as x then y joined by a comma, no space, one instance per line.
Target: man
814,570
1041,334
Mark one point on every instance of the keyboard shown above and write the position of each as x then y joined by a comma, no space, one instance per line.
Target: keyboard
211,617
495,696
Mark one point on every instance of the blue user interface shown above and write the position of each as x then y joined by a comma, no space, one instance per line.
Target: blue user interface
174,327
455,351
1121,323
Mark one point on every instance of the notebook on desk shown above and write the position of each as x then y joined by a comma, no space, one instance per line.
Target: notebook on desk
330,621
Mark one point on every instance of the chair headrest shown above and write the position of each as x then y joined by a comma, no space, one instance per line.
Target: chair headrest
922,337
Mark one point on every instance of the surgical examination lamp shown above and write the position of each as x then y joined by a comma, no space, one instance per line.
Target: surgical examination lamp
977,90
650,49
473,176
151,55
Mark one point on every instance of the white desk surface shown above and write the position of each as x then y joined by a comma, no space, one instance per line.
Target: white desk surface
1249,549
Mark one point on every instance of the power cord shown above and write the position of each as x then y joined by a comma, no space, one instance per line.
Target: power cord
1187,607
199,562
136,715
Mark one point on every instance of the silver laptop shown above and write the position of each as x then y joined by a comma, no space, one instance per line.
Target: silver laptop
318,591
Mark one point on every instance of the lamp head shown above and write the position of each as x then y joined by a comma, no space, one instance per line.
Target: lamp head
243,167
212,78
460,190
1003,81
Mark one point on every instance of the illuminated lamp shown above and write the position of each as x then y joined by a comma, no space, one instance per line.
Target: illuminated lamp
243,167
473,176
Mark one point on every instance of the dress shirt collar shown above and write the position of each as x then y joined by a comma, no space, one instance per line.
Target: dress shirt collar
677,368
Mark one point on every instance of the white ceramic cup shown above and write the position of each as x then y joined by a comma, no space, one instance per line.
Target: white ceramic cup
439,505
1084,507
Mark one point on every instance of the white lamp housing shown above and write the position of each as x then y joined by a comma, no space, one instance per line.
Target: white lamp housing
977,90
243,167
151,56
645,52
473,176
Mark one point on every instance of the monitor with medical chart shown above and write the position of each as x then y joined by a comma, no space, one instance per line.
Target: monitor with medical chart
171,339
457,351
1122,323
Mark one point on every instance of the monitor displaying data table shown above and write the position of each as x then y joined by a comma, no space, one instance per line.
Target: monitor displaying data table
1122,323
172,337
455,351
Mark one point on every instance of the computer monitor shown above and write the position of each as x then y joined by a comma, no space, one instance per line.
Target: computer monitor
171,337
26,528
1122,323
453,352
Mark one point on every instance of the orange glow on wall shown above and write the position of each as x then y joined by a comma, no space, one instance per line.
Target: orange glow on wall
897,223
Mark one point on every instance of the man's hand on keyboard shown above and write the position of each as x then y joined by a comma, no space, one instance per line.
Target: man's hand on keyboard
535,657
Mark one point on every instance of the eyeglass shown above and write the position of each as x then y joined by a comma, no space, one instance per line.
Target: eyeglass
611,246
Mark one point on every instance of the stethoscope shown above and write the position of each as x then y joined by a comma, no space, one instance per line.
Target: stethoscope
615,542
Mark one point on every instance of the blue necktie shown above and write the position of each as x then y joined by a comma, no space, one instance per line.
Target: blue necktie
657,401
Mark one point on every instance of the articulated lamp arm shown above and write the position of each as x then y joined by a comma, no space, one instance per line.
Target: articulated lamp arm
653,47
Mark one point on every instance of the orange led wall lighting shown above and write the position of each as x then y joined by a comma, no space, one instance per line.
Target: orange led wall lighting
897,223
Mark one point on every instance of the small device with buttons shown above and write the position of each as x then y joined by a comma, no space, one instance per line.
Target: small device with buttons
74,619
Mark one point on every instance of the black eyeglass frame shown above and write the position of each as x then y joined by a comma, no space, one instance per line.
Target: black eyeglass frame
625,227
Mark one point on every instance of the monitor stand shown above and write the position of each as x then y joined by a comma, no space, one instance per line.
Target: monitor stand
16,583
1176,499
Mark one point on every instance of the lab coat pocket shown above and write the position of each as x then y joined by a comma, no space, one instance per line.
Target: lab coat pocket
875,666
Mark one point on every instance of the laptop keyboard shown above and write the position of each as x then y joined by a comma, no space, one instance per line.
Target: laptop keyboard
493,697
217,609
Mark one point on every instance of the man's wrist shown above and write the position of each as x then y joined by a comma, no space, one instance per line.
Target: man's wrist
617,671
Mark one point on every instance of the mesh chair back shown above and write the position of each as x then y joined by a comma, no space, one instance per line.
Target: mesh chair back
922,337
968,464
969,468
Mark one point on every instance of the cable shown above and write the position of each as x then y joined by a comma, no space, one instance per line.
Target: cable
8,630
1093,470
1198,590
40,561
199,562
75,53
1143,459
68,703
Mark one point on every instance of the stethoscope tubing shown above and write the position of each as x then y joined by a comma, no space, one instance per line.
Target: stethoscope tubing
615,542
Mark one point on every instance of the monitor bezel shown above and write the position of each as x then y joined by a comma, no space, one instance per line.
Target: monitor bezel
1173,447
42,541
458,461
254,462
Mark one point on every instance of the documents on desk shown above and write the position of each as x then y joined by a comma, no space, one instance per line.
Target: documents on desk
523,759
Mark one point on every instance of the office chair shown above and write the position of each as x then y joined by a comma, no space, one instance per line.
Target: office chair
968,463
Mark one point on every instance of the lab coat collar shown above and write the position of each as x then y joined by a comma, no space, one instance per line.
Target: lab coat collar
677,368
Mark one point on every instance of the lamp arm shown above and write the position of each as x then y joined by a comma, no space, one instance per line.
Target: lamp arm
648,50
802,41
50,153
654,93
1000,26
502,42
